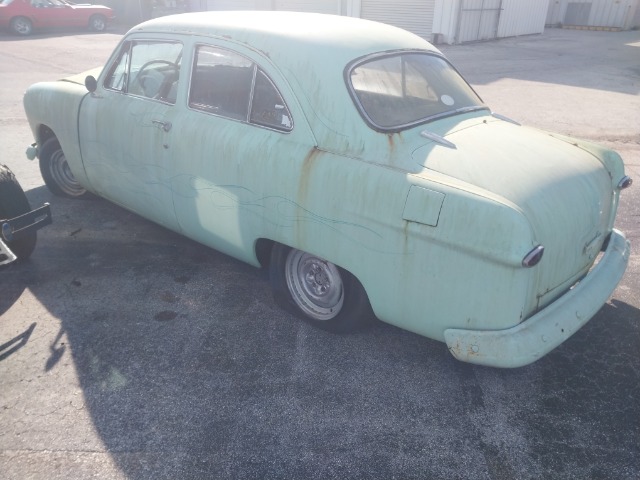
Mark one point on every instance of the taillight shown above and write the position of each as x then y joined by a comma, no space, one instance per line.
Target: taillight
532,258
625,182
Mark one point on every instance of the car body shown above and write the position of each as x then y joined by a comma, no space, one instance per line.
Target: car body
351,159
23,16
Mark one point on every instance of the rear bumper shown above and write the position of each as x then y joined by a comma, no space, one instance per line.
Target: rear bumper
538,335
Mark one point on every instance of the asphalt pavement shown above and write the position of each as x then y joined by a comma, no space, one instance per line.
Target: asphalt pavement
129,352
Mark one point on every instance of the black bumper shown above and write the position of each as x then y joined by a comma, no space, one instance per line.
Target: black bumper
13,228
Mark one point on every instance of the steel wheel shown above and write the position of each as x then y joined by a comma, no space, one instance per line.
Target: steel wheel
315,285
62,175
56,172
317,290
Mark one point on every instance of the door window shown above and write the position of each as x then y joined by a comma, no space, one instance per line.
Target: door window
229,85
147,69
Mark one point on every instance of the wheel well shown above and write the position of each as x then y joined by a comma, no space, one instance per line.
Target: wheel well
263,251
44,134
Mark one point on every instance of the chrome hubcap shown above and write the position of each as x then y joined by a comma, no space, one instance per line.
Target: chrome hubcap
315,285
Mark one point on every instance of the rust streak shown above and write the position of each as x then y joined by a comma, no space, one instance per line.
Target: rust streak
305,171
393,139
390,140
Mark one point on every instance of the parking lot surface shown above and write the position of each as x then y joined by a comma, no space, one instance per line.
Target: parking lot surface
127,351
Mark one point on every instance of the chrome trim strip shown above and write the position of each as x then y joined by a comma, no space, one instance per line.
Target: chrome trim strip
438,139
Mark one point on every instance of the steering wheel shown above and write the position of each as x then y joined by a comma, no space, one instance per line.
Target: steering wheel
151,82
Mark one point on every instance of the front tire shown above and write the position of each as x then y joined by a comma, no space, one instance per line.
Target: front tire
320,292
97,23
13,203
56,172
21,26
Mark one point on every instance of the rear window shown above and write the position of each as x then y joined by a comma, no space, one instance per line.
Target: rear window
399,90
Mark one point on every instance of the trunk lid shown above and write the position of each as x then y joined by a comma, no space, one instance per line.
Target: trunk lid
565,192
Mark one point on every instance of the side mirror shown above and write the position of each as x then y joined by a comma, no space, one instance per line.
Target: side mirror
91,83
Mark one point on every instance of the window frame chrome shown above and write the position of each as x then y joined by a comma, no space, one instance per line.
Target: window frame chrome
392,53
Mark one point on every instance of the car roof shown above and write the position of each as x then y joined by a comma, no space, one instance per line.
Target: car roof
311,50
280,31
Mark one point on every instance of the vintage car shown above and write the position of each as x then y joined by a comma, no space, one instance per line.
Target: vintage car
353,161
22,16
18,223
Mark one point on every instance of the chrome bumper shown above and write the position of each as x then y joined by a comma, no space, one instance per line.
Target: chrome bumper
14,228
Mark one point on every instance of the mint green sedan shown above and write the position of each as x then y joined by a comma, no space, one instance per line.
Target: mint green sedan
351,160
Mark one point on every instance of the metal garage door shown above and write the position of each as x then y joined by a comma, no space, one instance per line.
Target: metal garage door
317,6
478,20
231,5
413,15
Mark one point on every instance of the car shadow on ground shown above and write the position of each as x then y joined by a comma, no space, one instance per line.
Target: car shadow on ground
189,370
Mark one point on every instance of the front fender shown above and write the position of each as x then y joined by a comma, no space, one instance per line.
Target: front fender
53,107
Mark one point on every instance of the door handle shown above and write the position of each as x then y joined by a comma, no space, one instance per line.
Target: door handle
166,126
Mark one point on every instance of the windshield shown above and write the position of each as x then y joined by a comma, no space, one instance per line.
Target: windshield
396,91
5,2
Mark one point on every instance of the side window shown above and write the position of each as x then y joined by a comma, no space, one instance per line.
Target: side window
227,84
117,77
267,107
46,3
221,83
147,69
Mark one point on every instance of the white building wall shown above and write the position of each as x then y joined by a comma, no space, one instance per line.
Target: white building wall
317,6
522,17
435,20
233,5
326,6
445,21
602,13
635,19
518,17
415,16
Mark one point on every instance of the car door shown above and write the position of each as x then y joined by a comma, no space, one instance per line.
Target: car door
240,155
126,128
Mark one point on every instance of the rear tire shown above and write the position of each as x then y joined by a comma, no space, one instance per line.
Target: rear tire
97,23
21,26
56,172
13,203
320,292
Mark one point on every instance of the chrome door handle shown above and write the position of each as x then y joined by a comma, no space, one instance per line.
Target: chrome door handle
166,126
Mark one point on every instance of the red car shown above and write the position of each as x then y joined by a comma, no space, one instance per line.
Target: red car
22,16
